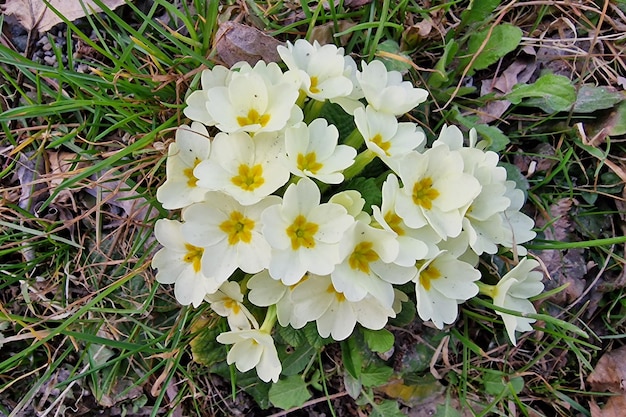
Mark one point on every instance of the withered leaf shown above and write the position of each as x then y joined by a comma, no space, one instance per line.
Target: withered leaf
235,42
36,15
610,372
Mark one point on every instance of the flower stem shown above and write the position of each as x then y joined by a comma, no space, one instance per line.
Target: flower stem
360,162
270,319
312,110
354,139
486,289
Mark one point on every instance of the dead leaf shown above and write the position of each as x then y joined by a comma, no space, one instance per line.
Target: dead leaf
564,267
235,42
610,375
324,33
36,15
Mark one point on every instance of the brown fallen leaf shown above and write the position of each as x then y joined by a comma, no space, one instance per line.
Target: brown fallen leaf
236,42
36,15
610,375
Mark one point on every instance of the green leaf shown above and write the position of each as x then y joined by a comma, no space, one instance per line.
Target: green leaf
352,357
440,76
376,375
386,408
205,349
504,39
478,11
289,392
291,336
406,315
391,47
591,98
551,93
297,360
313,337
446,409
494,136
369,189
495,383
378,340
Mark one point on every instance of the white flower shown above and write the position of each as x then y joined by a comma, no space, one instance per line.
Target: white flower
312,151
518,225
440,285
254,100
179,263
317,299
230,233
352,101
367,265
352,201
252,348
266,291
228,302
319,68
245,168
414,243
436,190
303,233
191,147
196,110
512,293
385,136
386,92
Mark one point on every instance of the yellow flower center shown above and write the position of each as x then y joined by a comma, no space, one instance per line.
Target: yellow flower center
301,233
394,221
361,257
314,89
188,172
238,228
193,256
232,305
427,275
253,118
424,193
378,141
249,178
309,163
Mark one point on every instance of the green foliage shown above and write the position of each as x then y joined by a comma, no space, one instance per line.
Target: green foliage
551,93
376,375
378,340
289,392
351,357
591,98
490,45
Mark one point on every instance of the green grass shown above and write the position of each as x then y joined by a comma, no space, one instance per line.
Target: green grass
78,294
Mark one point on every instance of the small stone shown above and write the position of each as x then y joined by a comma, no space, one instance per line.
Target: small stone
50,60
47,46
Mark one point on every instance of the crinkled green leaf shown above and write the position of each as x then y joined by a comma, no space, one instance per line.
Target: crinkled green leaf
291,336
502,40
495,383
204,348
551,93
294,362
313,337
289,392
352,357
378,340
446,409
478,11
386,408
591,98
376,375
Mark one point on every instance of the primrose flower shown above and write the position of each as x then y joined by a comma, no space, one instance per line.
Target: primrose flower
414,244
512,293
304,234
266,291
254,101
367,265
319,68
317,299
230,233
252,349
518,225
385,136
179,263
353,202
191,147
196,110
385,90
440,285
245,168
312,151
352,101
436,191
228,302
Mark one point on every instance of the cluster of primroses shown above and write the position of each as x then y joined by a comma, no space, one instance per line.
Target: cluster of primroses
260,197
